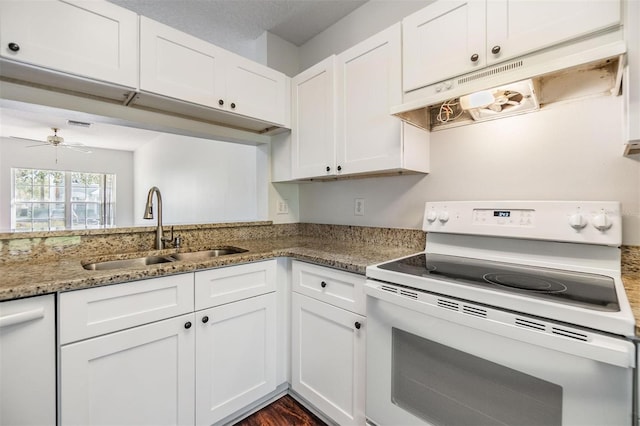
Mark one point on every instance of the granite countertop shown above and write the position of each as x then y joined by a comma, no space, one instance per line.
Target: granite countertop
632,288
25,279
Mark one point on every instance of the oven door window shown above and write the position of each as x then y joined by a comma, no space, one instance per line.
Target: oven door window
445,386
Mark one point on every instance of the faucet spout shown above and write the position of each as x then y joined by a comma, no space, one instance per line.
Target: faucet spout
148,214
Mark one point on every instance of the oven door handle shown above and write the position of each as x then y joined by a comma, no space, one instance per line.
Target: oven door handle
555,336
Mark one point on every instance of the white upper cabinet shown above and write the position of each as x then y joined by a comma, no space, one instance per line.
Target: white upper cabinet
441,40
516,27
341,114
258,91
180,66
369,81
93,39
313,121
183,67
450,38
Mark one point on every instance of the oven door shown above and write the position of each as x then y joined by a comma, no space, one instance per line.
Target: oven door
434,360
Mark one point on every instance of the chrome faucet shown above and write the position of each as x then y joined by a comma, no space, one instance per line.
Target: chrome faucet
148,214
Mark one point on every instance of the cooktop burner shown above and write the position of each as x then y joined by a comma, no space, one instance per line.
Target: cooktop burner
525,282
575,288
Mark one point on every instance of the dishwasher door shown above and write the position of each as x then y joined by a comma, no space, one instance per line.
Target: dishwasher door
28,362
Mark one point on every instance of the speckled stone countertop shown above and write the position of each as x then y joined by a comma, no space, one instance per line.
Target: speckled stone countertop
632,288
26,279
40,263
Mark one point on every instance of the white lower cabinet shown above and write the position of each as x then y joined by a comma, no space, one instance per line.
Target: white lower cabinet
28,362
328,353
137,354
235,356
140,376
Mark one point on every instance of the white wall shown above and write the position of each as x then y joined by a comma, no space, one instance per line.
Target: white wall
13,153
571,151
367,20
277,53
201,181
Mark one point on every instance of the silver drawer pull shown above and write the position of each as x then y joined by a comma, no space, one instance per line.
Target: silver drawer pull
21,317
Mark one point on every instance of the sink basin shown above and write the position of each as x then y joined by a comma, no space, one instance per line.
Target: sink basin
207,254
127,263
193,256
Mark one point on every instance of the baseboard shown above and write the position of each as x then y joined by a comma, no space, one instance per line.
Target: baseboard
258,405
309,406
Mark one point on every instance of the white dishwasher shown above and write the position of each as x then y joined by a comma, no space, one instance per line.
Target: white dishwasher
28,362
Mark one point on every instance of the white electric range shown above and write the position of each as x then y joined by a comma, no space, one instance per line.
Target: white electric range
515,313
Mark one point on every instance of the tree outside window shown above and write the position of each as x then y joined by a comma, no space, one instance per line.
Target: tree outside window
51,199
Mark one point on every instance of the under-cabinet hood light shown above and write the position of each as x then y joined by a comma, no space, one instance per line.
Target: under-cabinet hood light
465,99
503,101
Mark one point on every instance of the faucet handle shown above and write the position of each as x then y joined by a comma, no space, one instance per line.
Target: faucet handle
177,241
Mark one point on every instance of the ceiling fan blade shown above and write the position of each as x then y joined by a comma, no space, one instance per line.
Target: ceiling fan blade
41,144
27,139
79,148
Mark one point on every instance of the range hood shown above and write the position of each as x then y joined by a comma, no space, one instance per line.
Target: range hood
585,68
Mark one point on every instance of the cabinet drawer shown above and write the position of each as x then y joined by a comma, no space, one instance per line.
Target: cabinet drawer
92,312
224,285
341,289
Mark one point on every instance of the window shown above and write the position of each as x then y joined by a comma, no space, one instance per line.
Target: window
51,199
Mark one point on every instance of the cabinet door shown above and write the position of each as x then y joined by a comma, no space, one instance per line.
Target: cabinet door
313,121
258,91
94,39
180,66
28,362
440,41
328,359
369,82
516,27
140,376
235,356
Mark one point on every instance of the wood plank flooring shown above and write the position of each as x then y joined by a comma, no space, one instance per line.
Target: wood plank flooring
286,411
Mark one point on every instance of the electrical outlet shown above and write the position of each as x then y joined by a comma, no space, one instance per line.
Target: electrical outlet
283,207
358,207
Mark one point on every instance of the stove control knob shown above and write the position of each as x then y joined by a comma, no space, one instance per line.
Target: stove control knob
601,222
432,216
577,221
443,217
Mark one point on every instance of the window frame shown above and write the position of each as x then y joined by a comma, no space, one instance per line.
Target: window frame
105,205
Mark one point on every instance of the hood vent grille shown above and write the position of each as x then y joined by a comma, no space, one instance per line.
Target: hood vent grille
490,72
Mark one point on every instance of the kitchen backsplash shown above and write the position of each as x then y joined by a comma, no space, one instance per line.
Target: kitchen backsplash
50,246
630,259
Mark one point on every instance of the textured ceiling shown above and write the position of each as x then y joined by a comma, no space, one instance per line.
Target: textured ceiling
235,24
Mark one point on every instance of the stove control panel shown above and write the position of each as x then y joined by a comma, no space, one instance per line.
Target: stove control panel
514,217
588,222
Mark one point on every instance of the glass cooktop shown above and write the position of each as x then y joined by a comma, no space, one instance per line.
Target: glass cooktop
575,288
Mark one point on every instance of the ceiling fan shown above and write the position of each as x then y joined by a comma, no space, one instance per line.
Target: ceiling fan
56,141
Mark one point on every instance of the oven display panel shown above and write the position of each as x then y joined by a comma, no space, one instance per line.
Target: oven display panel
516,217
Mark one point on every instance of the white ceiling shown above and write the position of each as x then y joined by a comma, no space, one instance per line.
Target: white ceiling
231,24
236,24
36,124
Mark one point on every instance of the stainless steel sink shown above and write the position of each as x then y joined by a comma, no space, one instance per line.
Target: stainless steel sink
193,256
127,263
207,254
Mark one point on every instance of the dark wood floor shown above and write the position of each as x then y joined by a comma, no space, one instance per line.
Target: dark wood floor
283,412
